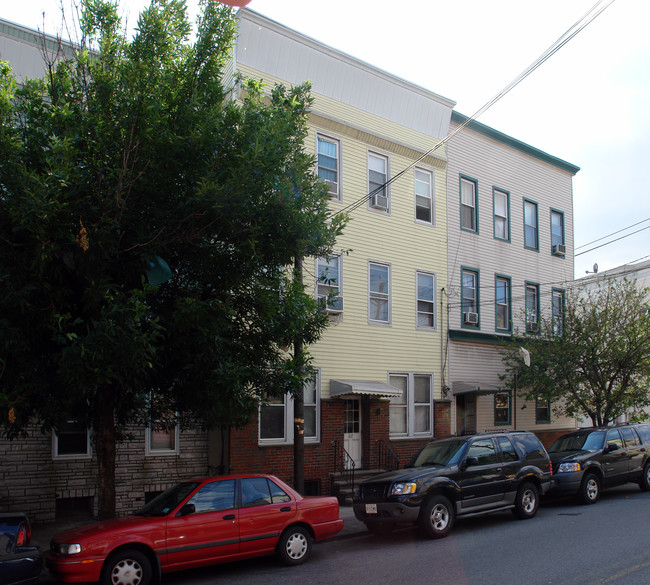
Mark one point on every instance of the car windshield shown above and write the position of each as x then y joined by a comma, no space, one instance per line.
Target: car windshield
587,441
440,453
164,503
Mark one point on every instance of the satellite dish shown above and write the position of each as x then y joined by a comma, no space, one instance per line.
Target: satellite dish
595,268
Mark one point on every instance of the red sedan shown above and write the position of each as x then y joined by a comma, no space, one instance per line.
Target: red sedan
194,524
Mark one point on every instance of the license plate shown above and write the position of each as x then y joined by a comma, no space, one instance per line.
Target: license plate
371,508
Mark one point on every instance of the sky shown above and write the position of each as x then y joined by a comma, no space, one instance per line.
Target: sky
589,104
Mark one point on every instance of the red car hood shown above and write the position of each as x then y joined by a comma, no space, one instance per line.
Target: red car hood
131,524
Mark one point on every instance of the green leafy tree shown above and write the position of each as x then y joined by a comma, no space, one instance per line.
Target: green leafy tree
594,360
148,226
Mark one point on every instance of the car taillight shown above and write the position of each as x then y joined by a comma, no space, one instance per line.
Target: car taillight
22,538
550,466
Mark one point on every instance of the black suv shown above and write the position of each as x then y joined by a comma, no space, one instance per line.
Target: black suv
592,458
455,477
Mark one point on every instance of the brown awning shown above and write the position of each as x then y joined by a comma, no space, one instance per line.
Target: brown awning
363,388
459,387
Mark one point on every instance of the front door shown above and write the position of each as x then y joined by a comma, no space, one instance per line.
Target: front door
352,432
466,414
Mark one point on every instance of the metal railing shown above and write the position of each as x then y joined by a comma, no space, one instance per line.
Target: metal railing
343,464
387,459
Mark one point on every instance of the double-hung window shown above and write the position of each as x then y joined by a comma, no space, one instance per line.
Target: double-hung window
424,199
531,231
532,307
411,413
501,214
426,300
378,191
503,306
276,420
469,300
557,233
328,284
557,311
378,293
542,411
71,441
502,413
328,163
468,204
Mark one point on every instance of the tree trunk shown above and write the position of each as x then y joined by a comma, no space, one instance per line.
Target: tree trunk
105,442
298,411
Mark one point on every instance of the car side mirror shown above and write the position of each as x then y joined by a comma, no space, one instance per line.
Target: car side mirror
187,509
612,447
469,461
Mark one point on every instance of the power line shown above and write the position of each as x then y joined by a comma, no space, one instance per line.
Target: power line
578,26
611,242
613,233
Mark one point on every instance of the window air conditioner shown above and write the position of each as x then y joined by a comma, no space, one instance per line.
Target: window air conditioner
378,201
333,188
470,318
558,250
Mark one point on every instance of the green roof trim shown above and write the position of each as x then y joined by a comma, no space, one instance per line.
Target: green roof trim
459,118
466,335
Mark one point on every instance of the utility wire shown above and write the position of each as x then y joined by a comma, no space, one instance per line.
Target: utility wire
611,241
578,26
613,233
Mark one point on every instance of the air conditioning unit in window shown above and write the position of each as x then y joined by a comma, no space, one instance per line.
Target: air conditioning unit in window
558,249
470,318
333,188
378,201
331,305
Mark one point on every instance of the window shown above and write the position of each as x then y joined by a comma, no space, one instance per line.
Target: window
542,411
501,214
614,438
424,207
484,451
71,441
502,300
530,225
162,439
630,437
557,232
468,204
557,297
469,301
328,164
508,450
502,408
215,496
377,177
276,425
328,285
426,300
378,293
411,411
532,308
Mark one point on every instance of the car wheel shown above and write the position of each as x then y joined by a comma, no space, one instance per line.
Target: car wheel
644,480
437,517
526,501
589,489
126,567
294,545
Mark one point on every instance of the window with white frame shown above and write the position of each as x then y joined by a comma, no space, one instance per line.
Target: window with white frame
71,441
542,411
426,300
532,308
501,214
328,158
557,310
469,300
502,413
468,204
377,177
557,230
328,284
378,292
411,413
276,420
162,439
424,199
530,225
503,307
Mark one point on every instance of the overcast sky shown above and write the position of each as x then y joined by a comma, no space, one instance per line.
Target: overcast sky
589,104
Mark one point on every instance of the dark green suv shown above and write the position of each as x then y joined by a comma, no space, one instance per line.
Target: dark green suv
458,477
590,459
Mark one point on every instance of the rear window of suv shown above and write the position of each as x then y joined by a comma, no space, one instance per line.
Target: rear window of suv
644,431
529,446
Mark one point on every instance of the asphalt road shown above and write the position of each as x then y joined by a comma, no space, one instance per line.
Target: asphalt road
565,544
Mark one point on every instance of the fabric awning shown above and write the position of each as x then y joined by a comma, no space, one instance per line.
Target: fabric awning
460,387
363,388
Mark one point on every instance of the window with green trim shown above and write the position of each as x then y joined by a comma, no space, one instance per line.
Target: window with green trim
501,214
502,414
531,225
502,300
468,204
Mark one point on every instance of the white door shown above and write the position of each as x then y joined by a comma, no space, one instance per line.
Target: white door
352,432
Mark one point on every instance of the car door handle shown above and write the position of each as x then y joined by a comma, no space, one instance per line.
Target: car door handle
229,517
286,509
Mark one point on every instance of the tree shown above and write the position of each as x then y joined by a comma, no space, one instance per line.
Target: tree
594,359
148,226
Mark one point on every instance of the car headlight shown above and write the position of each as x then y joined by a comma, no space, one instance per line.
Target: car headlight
67,549
568,467
402,489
